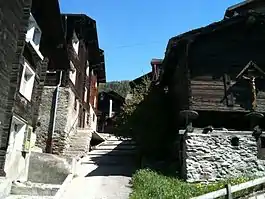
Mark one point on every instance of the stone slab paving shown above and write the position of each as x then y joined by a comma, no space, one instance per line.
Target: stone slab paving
28,197
100,180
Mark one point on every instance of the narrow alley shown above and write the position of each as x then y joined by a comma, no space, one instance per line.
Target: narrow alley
105,172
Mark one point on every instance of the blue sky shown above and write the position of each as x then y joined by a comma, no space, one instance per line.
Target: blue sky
132,32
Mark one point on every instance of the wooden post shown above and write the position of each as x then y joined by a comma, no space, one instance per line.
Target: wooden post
228,192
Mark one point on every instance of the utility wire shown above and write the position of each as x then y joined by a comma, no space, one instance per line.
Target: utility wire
139,44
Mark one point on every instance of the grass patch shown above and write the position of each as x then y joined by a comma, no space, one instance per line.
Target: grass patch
148,184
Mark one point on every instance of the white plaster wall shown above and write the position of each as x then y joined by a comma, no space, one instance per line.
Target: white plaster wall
16,166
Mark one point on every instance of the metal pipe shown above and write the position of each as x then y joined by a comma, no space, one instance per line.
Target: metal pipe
49,145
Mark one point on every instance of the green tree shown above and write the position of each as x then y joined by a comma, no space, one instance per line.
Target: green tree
120,87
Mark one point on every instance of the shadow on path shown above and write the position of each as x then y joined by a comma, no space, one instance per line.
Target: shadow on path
121,161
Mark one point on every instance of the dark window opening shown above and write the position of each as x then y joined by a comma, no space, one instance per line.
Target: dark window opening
75,104
262,142
87,119
94,118
235,141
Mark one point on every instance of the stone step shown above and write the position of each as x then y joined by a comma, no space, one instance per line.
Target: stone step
28,197
113,160
118,142
113,152
34,189
119,147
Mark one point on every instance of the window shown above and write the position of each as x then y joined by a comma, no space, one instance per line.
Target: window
33,33
262,142
87,68
75,104
72,74
27,81
75,43
95,101
87,119
235,141
94,117
85,95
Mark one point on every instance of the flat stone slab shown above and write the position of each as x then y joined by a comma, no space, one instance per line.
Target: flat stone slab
28,197
111,147
34,189
113,152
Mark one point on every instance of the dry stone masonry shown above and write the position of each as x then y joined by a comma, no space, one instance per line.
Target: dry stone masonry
220,154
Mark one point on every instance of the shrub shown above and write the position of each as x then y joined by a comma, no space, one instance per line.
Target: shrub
148,184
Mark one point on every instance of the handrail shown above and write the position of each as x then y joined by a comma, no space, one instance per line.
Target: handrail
72,127
232,189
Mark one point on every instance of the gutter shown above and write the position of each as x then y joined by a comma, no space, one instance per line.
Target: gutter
49,140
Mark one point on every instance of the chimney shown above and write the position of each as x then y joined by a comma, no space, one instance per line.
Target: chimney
156,68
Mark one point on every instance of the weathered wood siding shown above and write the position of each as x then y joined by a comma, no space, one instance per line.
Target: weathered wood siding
13,20
225,51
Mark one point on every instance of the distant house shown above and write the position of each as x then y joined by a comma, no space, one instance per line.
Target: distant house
31,25
69,98
154,75
109,105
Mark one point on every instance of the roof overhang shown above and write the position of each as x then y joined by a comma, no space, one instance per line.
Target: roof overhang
243,6
53,45
156,61
86,29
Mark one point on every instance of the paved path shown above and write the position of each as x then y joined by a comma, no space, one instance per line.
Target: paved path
105,173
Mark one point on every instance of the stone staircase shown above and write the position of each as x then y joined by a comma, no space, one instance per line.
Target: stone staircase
79,143
112,152
33,191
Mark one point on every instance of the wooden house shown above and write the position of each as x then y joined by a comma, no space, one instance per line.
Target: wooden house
217,73
27,71
69,98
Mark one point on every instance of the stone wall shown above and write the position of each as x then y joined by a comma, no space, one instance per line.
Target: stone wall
48,168
210,157
66,118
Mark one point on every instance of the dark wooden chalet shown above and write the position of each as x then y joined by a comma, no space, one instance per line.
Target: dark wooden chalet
75,75
218,71
88,63
26,79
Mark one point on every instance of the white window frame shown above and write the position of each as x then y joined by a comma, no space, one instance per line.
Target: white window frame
85,95
87,68
33,27
95,101
27,84
75,43
72,74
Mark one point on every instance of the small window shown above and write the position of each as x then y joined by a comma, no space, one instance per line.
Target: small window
94,117
85,95
75,42
262,142
72,74
235,141
95,101
75,104
36,36
87,119
27,81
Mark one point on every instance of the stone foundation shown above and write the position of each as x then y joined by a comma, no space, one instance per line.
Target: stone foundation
215,156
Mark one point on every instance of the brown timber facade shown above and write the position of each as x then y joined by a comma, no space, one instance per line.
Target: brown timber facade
68,97
205,71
